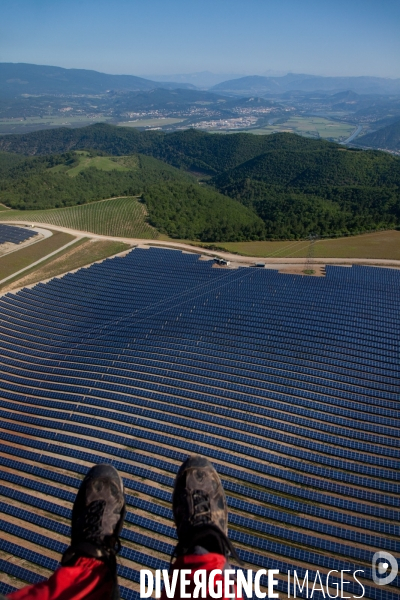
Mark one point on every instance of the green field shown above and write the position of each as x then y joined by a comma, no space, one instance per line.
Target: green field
118,217
83,253
13,262
150,122
21,125
316,127
381,244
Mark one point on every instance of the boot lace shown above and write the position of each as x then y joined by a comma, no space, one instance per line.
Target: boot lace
200,508
93,520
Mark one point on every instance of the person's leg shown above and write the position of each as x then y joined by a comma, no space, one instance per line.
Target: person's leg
89,564
201,518
200,509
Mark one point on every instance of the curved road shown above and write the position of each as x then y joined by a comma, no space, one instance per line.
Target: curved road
272,263
353,135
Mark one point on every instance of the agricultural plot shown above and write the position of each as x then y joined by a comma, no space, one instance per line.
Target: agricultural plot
118,217
162,122
27,124
381,244
314,127
303,429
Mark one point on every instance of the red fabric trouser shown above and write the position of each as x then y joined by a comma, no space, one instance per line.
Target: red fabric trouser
87,579
194,562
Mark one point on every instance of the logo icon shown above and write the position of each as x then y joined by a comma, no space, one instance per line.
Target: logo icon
384,562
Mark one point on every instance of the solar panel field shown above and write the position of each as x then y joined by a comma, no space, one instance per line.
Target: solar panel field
14,235
289,384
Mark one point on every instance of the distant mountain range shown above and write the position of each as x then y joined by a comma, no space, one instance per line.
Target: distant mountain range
202,79
23,78
256,84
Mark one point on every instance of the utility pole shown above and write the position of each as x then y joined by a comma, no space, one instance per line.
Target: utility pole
308,270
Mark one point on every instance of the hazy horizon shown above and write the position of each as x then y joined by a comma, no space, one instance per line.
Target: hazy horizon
358,38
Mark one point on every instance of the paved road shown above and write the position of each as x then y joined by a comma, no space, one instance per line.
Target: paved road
44,233
39,261
243,260
353,135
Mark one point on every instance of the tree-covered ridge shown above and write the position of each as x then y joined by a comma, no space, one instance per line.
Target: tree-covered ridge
296,185
319,165
177,205
189,211
9,160
326,190
60,180
189,149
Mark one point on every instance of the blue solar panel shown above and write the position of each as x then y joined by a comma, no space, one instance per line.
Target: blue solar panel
15,235
289,384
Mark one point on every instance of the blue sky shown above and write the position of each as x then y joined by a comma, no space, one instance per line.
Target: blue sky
138,37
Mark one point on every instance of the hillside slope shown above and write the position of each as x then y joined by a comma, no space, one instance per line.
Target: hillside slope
77,178
296,185
387,138
308,83
25,78
176,204
323,190
183,149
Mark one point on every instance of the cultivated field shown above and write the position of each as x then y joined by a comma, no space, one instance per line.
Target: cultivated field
150,122
381,244
118,217
310,127
25,125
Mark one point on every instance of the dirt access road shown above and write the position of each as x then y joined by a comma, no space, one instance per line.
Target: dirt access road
237,260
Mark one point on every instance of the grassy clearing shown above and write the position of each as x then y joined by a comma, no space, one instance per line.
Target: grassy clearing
20,259
118,217
79,255
103,163
317,127
382,244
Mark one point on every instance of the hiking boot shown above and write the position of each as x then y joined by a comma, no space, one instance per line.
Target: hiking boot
200,509
97,517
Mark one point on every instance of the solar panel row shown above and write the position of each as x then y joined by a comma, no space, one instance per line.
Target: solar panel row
230,430
157,355
285,517
15,235
134,456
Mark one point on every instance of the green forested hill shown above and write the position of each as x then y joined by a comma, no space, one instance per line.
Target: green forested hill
176,204
326,189
295,184
71,178
9,160
189,211
190,149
